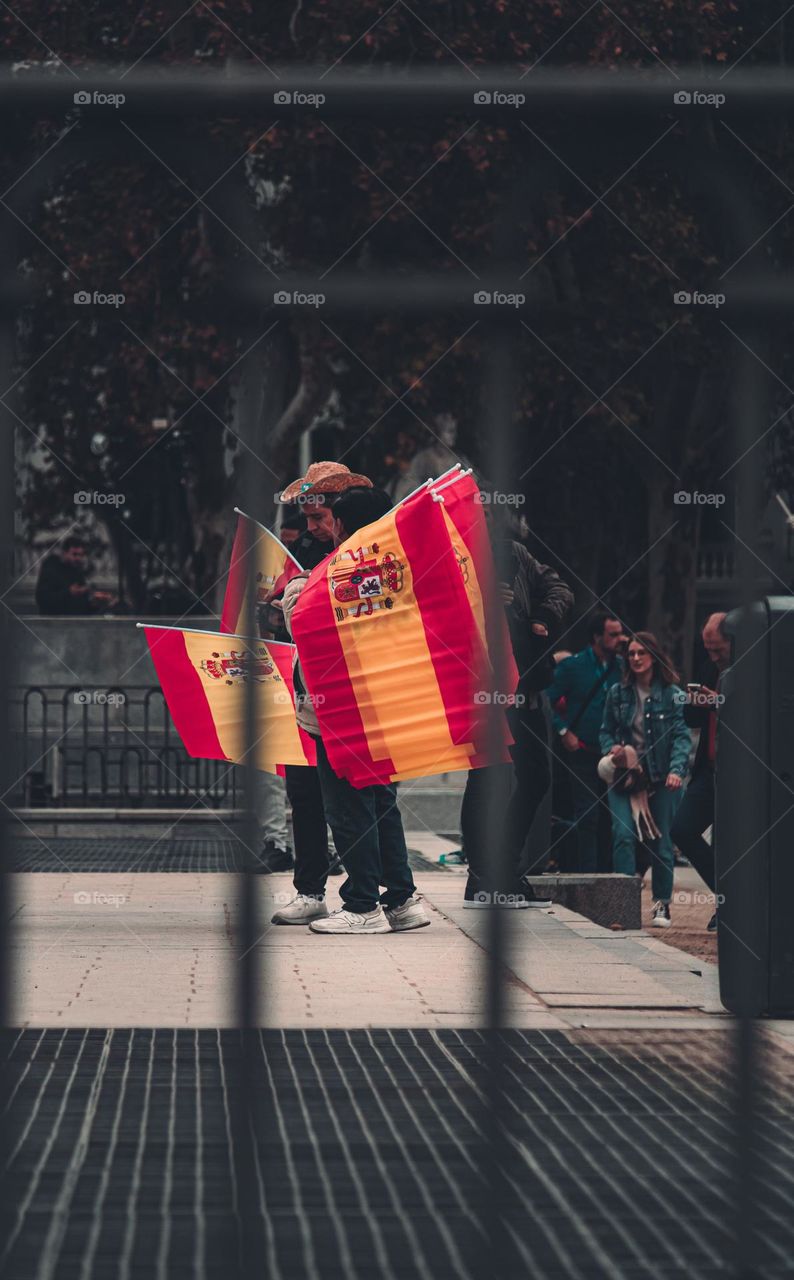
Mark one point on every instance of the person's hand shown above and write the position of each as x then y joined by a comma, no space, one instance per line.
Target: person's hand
276,604
506,593
76,589
618,754
540,629
673,782
569,740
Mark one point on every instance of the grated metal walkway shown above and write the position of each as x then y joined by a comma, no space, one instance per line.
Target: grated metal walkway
128,1157
82,854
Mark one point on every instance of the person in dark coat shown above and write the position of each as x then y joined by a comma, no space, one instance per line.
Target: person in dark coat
536,601
578,694
696,812
62,589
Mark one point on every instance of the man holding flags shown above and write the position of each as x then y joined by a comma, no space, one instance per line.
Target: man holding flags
313,495
365,821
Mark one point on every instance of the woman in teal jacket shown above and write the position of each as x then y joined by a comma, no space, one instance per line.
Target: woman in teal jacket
646,711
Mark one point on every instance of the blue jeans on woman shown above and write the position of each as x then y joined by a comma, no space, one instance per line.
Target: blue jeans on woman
663,805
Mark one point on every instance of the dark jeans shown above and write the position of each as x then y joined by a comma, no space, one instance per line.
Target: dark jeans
520,788
369,838
588,795
308,829
695,814
659,853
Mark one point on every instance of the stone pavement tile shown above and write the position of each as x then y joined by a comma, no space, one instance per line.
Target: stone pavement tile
432,846
570,965
613,999
638,1019
154,949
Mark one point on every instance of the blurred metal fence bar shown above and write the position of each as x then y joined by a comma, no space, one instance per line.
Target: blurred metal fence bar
291,91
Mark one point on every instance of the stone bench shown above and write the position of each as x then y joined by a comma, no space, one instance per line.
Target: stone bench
605,899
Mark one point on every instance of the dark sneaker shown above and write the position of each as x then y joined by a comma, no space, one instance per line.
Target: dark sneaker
534,898
518,898
474,896
272,858
711,927
661,916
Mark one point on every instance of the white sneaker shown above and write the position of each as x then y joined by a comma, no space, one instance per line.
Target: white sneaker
301,910
343,921
661,916
411,915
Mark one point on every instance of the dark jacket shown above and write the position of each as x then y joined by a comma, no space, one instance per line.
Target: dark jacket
52,588
539,595
667,739
573,680
309,551
698,717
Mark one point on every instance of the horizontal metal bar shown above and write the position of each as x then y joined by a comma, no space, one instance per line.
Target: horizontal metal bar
508,295
347,90
65,814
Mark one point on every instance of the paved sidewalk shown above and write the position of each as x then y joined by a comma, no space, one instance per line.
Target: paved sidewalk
159,950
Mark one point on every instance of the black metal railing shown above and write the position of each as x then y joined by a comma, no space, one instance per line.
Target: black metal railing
107,748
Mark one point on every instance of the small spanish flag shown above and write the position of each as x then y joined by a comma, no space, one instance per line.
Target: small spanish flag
390,649
202,675
260,566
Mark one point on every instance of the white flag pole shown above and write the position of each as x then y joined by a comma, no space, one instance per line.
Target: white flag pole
427,484
453,480
217,635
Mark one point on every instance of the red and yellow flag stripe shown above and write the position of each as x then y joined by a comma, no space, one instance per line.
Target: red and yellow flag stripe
389,646
203,674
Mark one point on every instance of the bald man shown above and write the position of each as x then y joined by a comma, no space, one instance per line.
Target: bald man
696,811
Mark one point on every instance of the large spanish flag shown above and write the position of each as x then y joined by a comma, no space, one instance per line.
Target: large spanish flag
261,566
390,649
468,531
202,675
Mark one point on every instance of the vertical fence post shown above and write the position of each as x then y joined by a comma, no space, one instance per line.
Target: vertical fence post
8,259
249,985
750,812
499,391
501,387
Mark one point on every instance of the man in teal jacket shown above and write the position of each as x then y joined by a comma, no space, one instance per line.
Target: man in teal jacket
577,694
